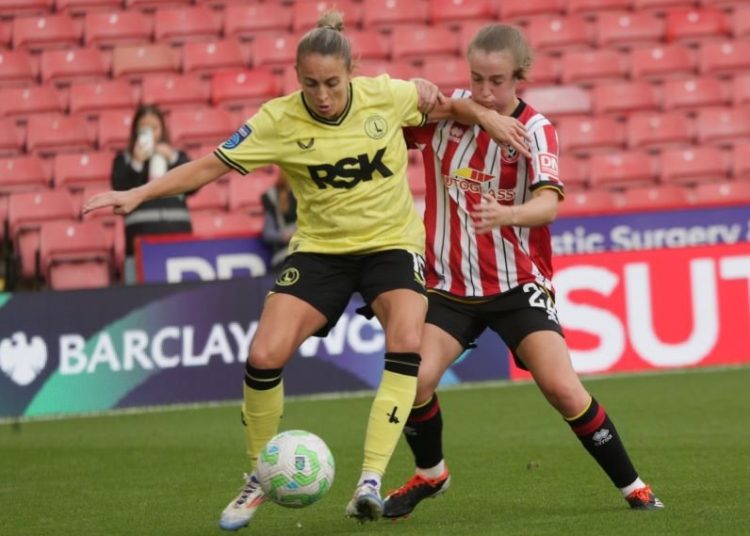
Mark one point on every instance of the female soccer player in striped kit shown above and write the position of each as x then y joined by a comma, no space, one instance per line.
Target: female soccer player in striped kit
489,266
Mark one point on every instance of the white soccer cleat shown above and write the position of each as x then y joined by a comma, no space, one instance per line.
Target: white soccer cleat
240,511
366,504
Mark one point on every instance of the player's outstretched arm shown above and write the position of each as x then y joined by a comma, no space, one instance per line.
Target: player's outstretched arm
185,178
541,209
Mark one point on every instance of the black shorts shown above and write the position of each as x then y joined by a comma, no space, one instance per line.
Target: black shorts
327,282
512,315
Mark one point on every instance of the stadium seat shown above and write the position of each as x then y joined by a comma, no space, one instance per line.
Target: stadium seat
17,8
661,197
589,203
662,63
170,91
721,193
17,68
448,73
694,25
247,20
545,71
630,29
74,65
305,14
694,165
741,161
725,58
76,171
419,42
113,225
274,51
211,198
723,126
245,191
660,131
582,136
151,5
625,98
204,58
83,7
741,26
559,100
31,100
217,225
50,134
75,255
741,90
12,137
196,127
521,10
136,61
289,82
118,28
388,14
589,67
450,12
238,88
695,93
574,172
114,129
560,33
46,31
660,7
597,7
96,97
177,26
369,44
6,34
627,169
26,213
397,69
22,174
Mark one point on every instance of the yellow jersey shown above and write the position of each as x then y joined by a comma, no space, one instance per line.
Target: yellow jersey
348,175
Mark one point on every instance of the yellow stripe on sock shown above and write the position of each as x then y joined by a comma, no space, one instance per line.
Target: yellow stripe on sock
574,417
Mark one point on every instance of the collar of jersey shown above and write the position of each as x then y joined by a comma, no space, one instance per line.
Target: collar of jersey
519,109
339,119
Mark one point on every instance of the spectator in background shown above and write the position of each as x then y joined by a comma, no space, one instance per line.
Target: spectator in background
280,219
149,155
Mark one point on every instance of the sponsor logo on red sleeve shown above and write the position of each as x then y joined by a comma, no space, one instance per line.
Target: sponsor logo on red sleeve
548,164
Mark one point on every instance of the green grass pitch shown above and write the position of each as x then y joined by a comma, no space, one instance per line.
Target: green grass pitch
517,469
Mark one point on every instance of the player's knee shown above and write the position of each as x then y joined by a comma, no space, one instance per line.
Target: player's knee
566,398
264,357
403,341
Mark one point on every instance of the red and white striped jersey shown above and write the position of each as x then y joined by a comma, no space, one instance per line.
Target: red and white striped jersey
462,162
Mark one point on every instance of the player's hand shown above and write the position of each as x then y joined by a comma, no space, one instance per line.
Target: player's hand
429,95
121,202
507,130
165,150
489,214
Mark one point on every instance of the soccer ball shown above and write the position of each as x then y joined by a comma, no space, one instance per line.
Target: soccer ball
295,469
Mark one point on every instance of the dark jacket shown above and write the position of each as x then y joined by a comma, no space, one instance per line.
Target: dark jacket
275,223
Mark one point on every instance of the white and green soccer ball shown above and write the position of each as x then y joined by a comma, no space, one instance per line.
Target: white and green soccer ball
296,468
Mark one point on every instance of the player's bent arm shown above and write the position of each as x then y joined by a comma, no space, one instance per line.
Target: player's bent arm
541,209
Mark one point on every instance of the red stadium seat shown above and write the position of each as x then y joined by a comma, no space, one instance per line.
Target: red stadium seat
217,225
559,100
196,127
545,71
448,73
721,193
12,137
520,10
369,45
741,161
589,203
96,97
662,6
17,68
627,169
114,129
248,20
589,67
723,126
741,90
725,58
46,31
31,100
560,33
305,14
660,131
75,255
22,174
388,14
238,88
82,7
625,30
176,26
596,7
275,51
50,134
151,5
113,225
574,172
74,65
402,70
26,213
211,198
587,135
694,93
694,25
741,27
76,171
695,165
245,191
661,197
118,28
16,8
623,99
136,61
214,56
6,34
170,91
449,12
662,63
418,42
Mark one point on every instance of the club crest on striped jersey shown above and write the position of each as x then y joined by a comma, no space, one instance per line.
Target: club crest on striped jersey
509,154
